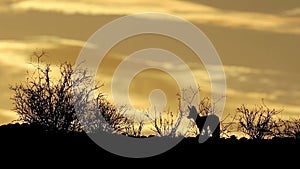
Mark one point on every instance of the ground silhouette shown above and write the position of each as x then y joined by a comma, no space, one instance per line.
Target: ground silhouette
37,143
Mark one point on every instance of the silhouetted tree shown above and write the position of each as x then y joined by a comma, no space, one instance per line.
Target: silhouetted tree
133,128
288,128
49,101
105,117
258,122
165,123
228,125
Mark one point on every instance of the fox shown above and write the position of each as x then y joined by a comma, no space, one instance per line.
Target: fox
209,126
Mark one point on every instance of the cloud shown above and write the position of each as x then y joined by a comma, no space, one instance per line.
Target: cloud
57,41
16,52
236,98
263,83
254,95
236,71
292,12
195,12
249,20
254,79
88,7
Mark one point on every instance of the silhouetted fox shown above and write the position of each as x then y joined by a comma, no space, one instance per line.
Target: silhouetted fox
209,126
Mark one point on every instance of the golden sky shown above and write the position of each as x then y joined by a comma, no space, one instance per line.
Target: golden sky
257,41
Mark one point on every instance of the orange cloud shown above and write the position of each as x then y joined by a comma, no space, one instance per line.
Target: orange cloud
195,12
15,52
292,12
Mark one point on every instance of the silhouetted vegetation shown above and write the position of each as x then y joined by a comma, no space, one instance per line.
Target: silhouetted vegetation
288,128
41,101
46,107
259,122
49,101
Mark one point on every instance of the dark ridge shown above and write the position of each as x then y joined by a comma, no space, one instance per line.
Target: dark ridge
28,141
